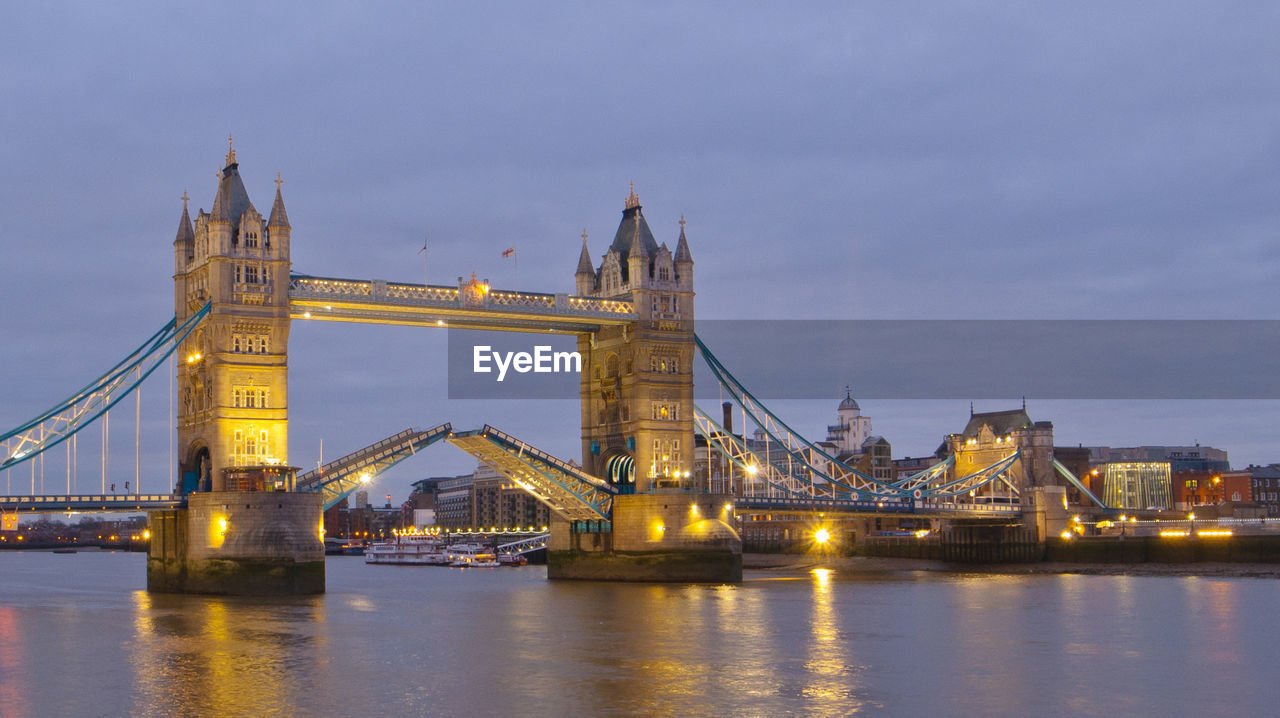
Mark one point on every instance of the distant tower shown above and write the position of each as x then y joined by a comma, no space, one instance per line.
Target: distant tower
851,428
637,380
232,371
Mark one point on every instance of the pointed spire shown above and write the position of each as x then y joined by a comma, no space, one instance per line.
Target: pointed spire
278,216
220,212
584,258
632,200
231,153
186,233
682,247
637,240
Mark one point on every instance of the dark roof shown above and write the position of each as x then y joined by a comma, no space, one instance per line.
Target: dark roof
1265,472
185,232
849,402
232,199
682,247
1001,422
584,260
632,225
278,216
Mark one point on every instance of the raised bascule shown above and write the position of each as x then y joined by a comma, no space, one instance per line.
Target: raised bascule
243,520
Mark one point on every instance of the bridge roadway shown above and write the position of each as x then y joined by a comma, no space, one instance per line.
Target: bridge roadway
471,305
932,509
95,503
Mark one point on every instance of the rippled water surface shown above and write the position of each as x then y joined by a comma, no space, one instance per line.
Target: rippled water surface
78,637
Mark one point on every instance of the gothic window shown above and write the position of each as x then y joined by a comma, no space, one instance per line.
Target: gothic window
237,342
262,398
663,364
250,274
251,239
239,274
264,447
664,274
238,445
237,398
262,343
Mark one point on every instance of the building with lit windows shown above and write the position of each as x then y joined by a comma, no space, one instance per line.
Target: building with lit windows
483,499
1137,485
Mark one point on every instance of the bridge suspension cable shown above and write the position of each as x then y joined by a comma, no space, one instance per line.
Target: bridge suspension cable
813,472
66,418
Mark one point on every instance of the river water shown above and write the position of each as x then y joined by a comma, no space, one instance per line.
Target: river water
78,637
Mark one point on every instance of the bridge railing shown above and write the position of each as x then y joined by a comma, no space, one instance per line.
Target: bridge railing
306,287
90,502
887,506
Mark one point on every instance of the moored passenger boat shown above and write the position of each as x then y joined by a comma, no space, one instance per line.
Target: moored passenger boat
408,550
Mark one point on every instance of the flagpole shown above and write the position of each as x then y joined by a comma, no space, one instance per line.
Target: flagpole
423,252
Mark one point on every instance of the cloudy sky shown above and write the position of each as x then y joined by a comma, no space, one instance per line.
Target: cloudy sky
833,160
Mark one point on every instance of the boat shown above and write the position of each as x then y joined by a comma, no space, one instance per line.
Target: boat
408,551
472,555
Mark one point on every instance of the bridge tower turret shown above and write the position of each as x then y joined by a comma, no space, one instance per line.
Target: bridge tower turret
637,380
232,373
244,530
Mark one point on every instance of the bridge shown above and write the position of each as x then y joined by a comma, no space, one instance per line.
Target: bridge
633,316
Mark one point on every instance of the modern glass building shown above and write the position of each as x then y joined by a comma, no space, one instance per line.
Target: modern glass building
1138,485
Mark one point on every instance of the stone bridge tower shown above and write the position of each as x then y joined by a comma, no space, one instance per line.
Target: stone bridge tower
244,530
637,380
232,371
991,436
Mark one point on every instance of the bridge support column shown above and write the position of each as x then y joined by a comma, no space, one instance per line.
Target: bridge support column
239,543
1045,508
654,537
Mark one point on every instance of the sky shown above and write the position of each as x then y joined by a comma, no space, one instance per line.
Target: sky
968,160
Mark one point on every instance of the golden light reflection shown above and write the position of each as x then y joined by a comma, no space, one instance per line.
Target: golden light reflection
193,655
830,683
13,698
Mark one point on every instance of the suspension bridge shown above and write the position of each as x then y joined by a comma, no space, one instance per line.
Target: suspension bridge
634,493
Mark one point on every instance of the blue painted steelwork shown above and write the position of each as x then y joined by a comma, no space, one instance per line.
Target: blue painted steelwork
919,508
824,472
754,466
340,478
978,479
569,491
529,545
80,409
792,442
92,503
1066,474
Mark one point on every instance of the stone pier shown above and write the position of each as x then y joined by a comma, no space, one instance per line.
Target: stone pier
239,543
653,537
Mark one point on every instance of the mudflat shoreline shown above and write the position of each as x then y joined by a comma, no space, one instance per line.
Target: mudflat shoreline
788,564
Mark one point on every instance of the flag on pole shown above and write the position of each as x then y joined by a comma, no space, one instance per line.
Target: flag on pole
508,252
